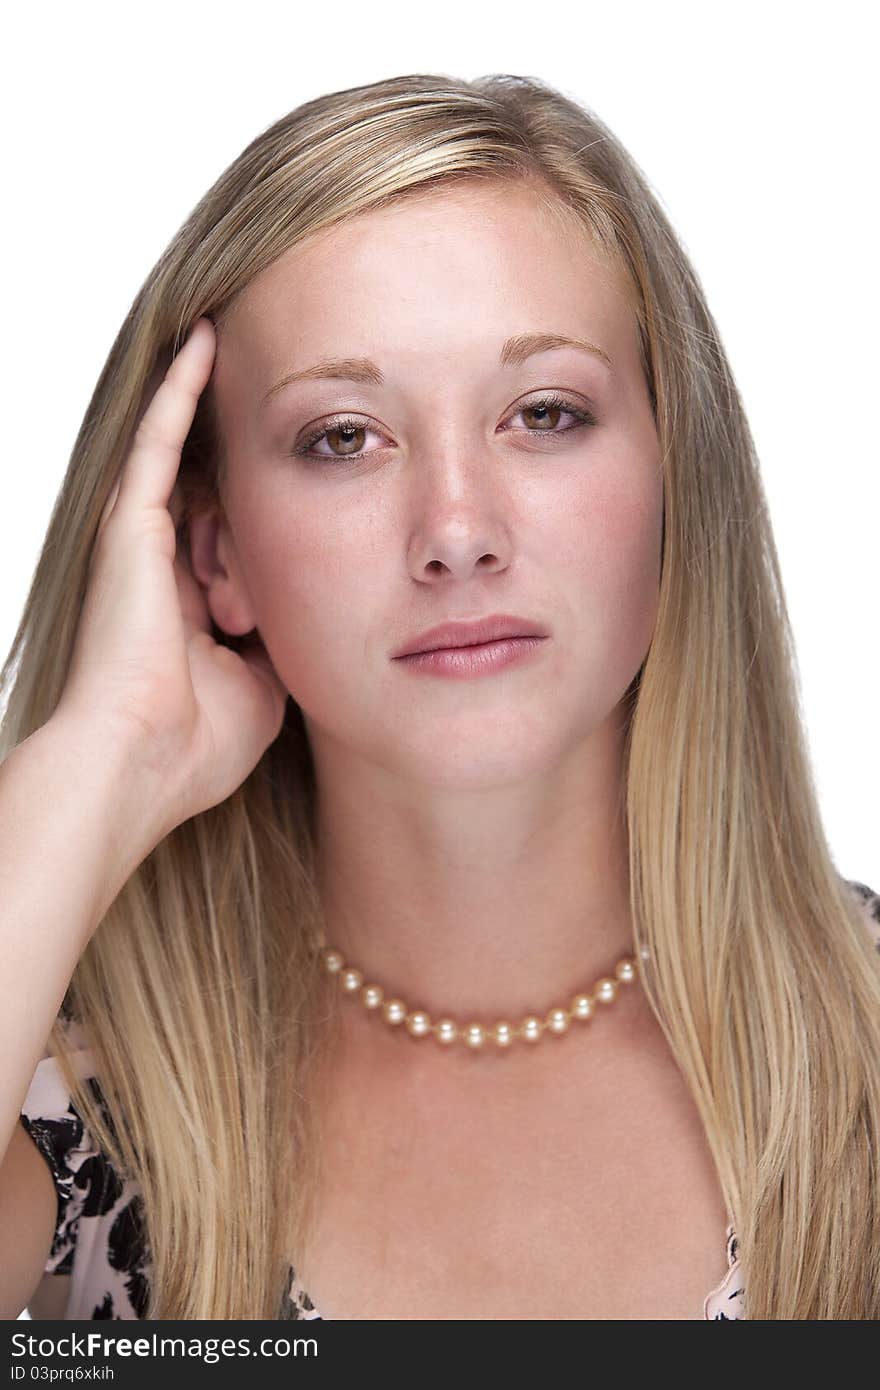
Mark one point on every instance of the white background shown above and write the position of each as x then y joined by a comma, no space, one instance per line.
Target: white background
755,123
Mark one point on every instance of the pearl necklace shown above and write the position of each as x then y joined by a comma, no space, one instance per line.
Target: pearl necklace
474,1035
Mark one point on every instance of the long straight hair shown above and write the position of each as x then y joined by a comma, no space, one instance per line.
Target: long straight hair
198,990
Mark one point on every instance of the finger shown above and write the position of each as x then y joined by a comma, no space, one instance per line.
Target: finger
153,462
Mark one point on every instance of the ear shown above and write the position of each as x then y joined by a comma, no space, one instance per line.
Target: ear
214,563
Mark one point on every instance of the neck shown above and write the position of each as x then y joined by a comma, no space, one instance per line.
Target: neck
481,904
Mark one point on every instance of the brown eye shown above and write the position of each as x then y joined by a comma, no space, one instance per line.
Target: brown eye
547,415
345,440
351,437
547,410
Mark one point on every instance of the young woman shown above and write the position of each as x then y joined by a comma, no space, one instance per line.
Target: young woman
408,838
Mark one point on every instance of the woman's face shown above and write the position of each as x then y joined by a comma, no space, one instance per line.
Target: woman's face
454,495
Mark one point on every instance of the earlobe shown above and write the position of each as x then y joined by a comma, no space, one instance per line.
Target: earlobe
214,564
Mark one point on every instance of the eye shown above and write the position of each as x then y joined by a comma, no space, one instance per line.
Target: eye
548,408
350,430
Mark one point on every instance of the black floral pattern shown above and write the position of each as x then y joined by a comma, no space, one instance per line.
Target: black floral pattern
99,1240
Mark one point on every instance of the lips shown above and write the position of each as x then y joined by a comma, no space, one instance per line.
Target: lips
493,628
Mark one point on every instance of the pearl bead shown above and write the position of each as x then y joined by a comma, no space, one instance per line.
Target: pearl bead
582,1006
557,1021
605,990
418,1023
394,1011
474,1035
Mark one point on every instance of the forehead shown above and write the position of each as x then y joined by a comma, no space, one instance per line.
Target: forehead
443,270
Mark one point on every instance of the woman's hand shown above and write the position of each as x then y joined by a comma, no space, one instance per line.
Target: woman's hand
195,716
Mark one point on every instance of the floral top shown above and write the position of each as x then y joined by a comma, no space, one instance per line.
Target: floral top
98,1242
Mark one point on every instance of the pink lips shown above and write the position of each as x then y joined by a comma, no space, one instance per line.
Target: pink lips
458,635
481,659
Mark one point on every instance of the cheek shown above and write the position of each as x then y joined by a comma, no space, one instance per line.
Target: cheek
612,548
308,584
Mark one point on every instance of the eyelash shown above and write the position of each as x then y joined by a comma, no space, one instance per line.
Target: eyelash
551,400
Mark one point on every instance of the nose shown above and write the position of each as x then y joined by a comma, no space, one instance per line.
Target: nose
460,561
458,523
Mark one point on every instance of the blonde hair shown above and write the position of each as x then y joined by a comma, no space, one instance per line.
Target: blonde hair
198,990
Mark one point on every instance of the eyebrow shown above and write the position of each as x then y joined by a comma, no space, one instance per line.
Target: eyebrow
364,369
